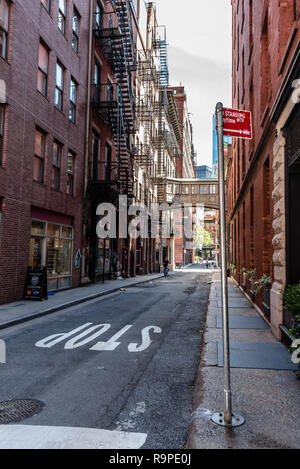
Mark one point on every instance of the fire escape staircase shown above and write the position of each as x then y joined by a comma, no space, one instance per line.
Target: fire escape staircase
116,43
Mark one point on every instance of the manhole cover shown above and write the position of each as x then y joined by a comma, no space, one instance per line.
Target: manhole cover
19,409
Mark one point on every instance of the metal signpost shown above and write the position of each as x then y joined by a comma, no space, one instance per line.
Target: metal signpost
238,124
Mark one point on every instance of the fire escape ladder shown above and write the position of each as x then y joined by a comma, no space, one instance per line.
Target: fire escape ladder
116,42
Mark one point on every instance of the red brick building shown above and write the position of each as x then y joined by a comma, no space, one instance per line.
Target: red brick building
263,179
185,169
111,129
43,63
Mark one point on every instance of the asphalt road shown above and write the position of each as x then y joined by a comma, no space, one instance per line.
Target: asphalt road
126,362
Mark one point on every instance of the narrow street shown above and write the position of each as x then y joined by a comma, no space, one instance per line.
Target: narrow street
138,379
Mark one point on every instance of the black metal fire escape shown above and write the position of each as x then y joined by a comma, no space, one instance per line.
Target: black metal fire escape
114,36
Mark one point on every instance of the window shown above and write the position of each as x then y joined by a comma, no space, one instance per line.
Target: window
194,190
43,65
98,16
185,189
57,152
265,65
70,173
2,110
51,245
73,101
39,156
212,189
46,4
203,190
59,90
4,25
95,156
62,11
107,162
75,30
97,76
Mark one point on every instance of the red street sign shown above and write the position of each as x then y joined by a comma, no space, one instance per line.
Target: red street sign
237,123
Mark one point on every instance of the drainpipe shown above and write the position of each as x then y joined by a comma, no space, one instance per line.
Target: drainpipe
87,139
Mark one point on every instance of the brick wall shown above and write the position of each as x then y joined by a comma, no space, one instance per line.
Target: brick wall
27,108
265,35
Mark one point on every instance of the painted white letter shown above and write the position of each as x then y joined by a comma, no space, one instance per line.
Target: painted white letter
111,344
146,341
56,338
71,344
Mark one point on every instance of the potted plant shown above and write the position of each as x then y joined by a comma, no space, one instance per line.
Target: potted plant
244,278
251,276
264,283
291,305
232,267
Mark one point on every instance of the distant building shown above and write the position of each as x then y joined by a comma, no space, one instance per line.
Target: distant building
204,172
227,148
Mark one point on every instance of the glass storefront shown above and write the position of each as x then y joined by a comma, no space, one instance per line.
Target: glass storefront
51,245
103,257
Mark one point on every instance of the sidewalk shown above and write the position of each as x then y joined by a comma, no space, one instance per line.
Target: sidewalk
22,311
265,390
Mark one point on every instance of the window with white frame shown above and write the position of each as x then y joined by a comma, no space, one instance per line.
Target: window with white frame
75,30
62,15
70,172
57,154
43,66
46,4
73,100
39,156
4,27
59,89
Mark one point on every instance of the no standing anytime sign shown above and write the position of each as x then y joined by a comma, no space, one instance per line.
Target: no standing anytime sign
237,123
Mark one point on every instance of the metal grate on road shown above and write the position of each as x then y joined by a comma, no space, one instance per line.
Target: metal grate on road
19,409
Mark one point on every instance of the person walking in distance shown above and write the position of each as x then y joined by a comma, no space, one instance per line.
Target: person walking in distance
166,267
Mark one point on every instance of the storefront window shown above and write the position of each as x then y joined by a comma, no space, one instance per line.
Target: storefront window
104,257
53,230
38,227
36,251
51,246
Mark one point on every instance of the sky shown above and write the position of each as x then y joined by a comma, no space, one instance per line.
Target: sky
199,38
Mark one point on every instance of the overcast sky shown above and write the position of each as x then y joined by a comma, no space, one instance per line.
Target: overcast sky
199,38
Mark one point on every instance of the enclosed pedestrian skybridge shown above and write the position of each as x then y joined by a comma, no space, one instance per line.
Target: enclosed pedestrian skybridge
193,191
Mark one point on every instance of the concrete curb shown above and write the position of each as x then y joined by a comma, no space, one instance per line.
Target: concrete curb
69,304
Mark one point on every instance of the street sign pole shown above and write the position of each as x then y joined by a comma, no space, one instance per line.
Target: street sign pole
226,418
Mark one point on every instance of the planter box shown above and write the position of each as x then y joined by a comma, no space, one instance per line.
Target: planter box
288,320
267,301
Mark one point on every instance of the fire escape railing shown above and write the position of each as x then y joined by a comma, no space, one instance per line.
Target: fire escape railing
114,37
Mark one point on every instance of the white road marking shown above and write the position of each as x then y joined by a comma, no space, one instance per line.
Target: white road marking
73,343
112,343
56,338
44,437
146,341
133,415
84,338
